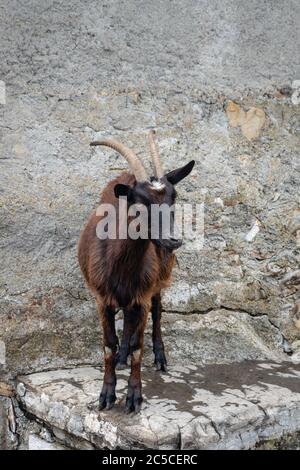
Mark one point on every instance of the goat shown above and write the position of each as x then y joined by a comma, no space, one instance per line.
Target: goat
129,274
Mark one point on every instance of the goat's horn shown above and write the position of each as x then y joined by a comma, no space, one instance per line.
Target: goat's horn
133,160
158,171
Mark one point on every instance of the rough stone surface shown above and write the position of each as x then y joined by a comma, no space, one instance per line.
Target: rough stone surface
77,70
220,336
37,443
237,406
8,437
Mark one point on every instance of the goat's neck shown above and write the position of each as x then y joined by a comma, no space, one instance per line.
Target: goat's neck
131,252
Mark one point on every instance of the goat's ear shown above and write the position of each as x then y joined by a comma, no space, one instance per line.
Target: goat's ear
177,175
122,190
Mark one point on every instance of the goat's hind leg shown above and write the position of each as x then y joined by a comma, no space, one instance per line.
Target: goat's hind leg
108,394
158,345
134,394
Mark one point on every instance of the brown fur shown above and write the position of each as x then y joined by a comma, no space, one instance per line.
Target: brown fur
127,274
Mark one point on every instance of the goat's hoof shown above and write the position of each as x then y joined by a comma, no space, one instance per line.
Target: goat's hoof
133,400
160,361
107,397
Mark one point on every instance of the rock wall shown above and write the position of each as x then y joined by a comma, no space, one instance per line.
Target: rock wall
76,70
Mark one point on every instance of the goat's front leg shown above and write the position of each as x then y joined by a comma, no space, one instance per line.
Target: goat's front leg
138,317
108,394
158,345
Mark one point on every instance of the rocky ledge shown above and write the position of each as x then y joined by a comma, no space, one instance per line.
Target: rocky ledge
236,406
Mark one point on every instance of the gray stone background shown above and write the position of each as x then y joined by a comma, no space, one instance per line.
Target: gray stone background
78,70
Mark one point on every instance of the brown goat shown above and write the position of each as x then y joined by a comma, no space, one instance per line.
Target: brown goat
130,273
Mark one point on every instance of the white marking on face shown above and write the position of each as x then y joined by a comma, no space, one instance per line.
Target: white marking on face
157,185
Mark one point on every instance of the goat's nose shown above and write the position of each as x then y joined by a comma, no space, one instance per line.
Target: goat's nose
176,242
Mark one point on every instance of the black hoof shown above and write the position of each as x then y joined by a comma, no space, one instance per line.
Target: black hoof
160,360
133,400
107,397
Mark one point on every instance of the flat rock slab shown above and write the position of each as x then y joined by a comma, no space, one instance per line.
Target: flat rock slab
233,406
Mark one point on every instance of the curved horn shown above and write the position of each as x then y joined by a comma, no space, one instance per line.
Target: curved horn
158,171
133,160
